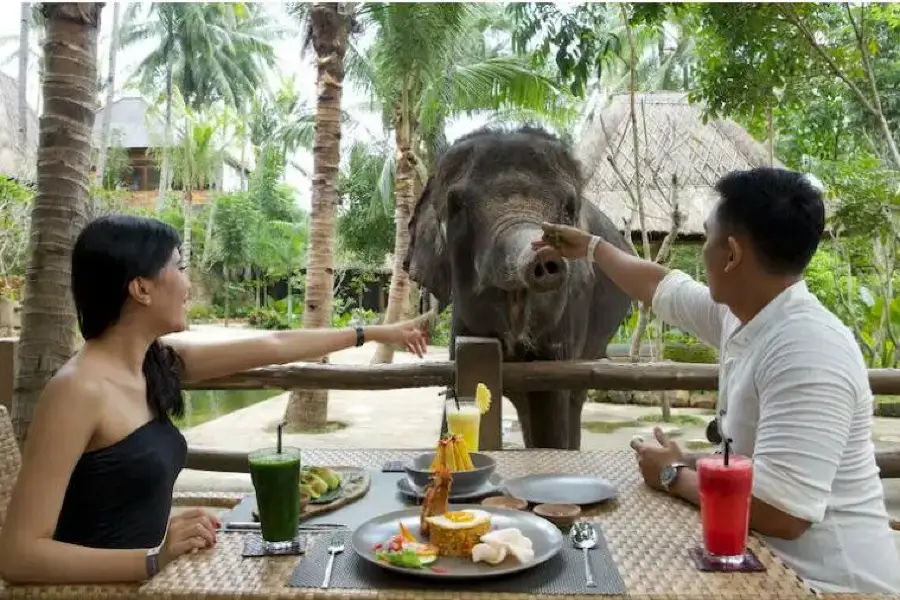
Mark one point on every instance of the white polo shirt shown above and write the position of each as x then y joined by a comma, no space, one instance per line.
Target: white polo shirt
794,394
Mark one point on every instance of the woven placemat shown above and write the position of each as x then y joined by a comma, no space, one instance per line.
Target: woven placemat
563,574
254,548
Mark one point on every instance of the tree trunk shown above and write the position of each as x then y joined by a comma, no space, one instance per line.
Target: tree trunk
165,173
404,197
110,97
188,210
59,212
24,50
308,409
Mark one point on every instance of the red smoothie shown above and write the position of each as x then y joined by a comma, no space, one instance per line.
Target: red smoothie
725,493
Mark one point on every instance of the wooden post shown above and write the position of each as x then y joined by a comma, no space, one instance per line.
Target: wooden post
479,360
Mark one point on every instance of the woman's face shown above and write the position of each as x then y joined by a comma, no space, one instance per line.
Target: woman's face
166,297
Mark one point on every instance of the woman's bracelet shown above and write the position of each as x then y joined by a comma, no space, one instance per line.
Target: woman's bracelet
592,247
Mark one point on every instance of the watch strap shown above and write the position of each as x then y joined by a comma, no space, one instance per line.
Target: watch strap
152,562
360,336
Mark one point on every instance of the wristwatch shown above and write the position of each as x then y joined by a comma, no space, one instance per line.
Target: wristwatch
669,474
152,562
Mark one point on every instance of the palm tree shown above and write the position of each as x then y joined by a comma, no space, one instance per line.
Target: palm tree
195,159
328,31
106,131
59,213
209,51
449,73
24,30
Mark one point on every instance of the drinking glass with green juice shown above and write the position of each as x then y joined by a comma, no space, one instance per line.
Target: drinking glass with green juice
275,473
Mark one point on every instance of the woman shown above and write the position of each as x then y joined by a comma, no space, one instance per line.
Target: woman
92,500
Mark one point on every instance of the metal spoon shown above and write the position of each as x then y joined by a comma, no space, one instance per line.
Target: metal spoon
584,537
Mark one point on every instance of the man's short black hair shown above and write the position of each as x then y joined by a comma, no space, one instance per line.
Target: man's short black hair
781,212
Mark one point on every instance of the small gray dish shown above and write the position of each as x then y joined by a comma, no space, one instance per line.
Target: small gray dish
490,488
464,482
560,488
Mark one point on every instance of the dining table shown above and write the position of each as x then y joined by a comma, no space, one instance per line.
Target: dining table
647,533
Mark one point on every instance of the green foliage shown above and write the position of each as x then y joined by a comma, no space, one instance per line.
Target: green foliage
440,335
690,353
15,219
366,221
214,51
578,38
235,220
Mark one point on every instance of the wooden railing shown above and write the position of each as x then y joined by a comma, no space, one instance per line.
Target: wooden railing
479,360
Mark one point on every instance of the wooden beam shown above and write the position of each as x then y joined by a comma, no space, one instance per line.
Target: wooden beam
532,376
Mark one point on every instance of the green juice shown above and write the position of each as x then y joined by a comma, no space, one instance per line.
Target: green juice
276,480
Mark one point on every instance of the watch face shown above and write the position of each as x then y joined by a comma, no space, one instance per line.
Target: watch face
667,475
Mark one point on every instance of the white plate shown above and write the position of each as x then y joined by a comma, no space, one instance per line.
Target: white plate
545,537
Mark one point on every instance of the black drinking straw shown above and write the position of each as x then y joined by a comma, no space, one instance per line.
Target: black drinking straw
279,428
727,450
450,392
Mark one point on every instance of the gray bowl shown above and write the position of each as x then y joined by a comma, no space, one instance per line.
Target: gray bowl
464,482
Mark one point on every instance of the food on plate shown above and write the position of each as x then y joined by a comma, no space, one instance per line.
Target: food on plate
404,550
453,454
329,476
456,533
314,485
497,545
482,397
437,497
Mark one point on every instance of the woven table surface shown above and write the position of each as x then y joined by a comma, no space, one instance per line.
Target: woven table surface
648,535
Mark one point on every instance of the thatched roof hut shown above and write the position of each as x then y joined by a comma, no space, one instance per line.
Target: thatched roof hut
16,162
673,141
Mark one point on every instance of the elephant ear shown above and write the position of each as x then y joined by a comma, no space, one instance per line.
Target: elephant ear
427,260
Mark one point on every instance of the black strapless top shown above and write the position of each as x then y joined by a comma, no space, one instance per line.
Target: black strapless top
119,497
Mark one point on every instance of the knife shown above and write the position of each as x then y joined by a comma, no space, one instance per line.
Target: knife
254,526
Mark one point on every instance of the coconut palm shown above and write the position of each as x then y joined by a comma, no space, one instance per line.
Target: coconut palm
209,51
327,31
59,213
106,129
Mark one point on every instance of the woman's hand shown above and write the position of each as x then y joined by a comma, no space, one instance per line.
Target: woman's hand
412,334
570,242
191,530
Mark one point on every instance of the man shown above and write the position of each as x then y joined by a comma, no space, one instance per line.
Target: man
793,387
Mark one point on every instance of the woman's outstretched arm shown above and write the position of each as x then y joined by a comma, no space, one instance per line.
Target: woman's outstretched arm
211,359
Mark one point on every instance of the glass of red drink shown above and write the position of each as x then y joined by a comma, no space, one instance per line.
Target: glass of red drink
725,492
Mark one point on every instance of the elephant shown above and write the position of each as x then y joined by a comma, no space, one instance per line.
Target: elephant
470,237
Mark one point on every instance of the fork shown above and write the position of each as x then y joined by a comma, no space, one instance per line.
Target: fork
335,547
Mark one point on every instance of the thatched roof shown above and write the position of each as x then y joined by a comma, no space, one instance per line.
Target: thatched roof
16,162
673,140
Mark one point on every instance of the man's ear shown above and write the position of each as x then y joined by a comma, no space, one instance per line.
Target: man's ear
735,254
139,289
